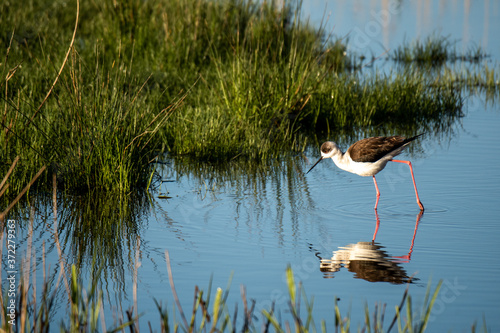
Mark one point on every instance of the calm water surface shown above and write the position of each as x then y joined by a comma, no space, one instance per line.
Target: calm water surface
296,219
253,226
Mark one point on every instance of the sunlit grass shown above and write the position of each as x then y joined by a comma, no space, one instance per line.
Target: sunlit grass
106,118
99,135
215,80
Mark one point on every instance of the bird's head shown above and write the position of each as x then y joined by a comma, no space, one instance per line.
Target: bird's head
328,149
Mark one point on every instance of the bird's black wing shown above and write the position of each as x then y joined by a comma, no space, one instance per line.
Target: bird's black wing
373,149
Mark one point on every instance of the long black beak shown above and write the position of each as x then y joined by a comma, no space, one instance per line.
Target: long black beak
320,159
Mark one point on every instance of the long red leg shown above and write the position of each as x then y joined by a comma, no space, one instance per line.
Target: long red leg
378,192
407,257
414,185
376,226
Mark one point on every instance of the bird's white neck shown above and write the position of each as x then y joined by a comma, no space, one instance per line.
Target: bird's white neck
338,157
341,160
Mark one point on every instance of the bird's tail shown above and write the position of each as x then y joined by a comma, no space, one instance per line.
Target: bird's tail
407,140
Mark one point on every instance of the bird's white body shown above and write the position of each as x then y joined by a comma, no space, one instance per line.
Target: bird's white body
365,169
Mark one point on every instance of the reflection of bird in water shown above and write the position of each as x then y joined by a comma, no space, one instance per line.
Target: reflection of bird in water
368,157
369,261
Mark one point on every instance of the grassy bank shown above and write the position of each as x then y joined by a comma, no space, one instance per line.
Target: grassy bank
98,101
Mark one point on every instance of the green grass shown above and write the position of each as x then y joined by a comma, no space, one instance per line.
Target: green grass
213,80
483,81
437,57
436,50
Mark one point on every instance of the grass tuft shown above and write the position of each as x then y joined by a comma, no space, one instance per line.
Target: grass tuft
434,51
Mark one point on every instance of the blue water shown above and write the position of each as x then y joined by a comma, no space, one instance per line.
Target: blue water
293,222
375,27
252,228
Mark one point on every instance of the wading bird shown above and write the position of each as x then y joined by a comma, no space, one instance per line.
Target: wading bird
368,157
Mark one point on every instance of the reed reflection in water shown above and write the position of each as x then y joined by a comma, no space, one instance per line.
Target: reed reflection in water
369,260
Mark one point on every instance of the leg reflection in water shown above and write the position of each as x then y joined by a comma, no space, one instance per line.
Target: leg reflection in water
369,260
405,258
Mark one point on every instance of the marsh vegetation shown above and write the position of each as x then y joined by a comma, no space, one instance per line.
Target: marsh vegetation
215,81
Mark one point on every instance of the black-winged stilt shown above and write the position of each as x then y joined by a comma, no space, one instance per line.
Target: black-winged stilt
368,157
